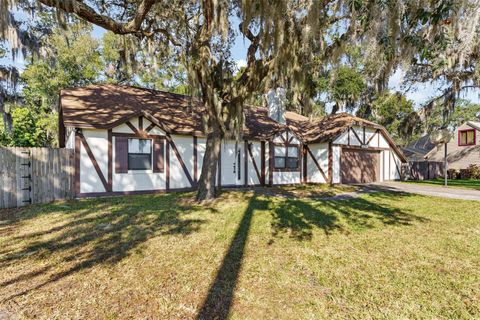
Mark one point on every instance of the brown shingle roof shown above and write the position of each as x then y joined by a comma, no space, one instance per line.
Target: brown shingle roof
106,106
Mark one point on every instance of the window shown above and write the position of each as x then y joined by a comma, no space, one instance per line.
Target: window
139,154
286,157
466,137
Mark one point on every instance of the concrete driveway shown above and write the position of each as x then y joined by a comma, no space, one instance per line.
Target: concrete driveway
427,190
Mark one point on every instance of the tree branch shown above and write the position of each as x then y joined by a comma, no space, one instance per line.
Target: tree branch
89,14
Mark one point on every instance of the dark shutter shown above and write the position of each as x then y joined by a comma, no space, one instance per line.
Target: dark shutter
158,163
121,155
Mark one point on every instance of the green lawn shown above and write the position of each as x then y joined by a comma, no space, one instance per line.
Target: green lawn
244,256
461,183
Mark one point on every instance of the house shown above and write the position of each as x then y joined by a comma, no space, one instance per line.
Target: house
418,149
134,140
462,150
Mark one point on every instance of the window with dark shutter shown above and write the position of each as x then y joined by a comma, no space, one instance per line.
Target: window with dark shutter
121,155
139,154
158,163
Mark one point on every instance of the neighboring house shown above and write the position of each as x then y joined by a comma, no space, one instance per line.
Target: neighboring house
463,150
130,140
418,149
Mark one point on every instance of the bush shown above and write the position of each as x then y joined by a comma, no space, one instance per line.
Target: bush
472,172
453,174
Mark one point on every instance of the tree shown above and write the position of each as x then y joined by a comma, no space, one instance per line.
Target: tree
464,111
397,115
283,38
163,72
450,59
344,87
73,59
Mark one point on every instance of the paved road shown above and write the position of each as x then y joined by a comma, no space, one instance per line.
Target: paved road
427,190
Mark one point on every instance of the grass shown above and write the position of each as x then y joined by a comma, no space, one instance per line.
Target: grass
460,183
244,256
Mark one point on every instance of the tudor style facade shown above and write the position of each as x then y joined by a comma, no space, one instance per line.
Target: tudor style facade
133,140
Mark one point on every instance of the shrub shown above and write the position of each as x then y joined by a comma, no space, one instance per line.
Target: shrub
464,174
453,174
474,171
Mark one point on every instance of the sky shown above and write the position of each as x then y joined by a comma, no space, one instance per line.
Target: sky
419,94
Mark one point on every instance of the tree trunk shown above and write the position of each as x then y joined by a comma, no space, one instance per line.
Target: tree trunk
206,183
335,109
6,117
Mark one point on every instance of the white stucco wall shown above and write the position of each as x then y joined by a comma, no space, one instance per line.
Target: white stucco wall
320,152
286,177
178,178
336,150
252,174
70,141
89,179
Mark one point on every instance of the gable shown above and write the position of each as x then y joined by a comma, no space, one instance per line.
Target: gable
286,136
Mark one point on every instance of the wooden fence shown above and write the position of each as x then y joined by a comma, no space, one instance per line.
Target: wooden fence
425,170
35,175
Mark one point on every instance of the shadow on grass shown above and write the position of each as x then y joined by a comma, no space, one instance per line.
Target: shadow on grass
104,231
98,231
299,218
220,295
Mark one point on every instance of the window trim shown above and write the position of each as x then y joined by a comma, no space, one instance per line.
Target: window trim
286,145
132,153
466,132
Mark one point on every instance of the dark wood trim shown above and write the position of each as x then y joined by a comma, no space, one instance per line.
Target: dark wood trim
139,135
78,144
249,147
195,159
262,162
359,147
384,165
131,126
371,138
316,163
140,123
270,163
127,193
150,127
110,161
348,136
245,162
356,135
305,173
330,162
167,165
299,170
61,129
364,136
94,161
179,157
287,144
389,165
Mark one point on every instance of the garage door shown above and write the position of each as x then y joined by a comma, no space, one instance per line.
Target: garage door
360,166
